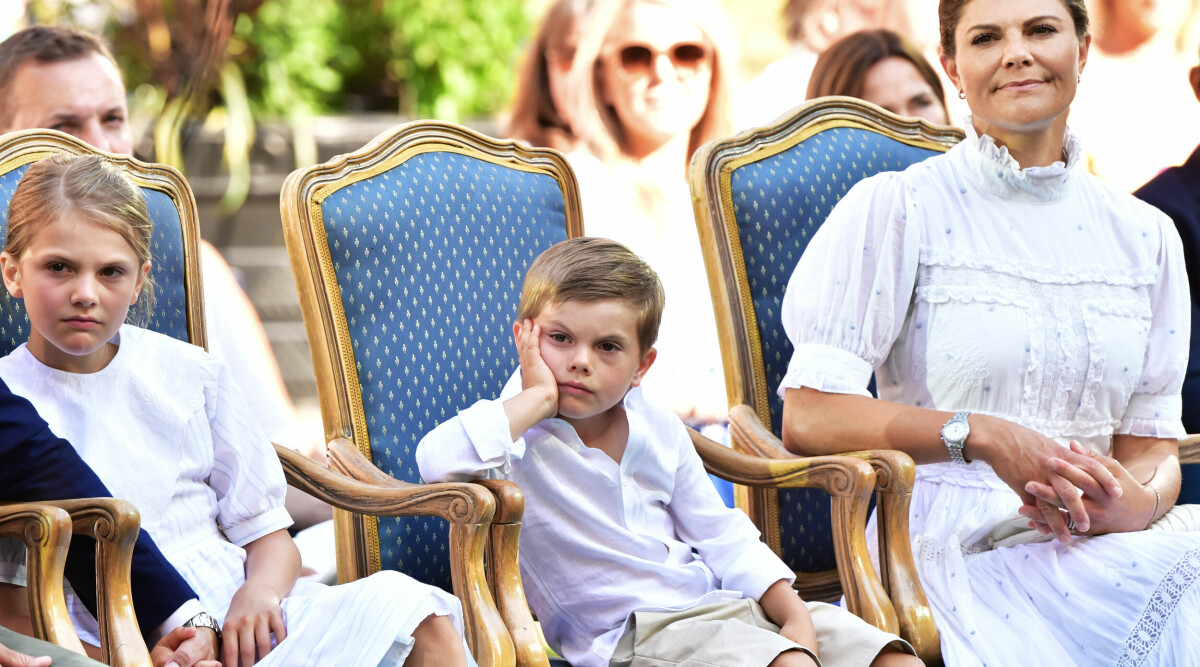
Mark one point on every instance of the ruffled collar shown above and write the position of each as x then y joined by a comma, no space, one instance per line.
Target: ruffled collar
994,170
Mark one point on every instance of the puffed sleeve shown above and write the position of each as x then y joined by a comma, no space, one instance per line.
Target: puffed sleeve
849,295
246,474
1155,409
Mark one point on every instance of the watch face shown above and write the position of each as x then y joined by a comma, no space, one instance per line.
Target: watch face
955,431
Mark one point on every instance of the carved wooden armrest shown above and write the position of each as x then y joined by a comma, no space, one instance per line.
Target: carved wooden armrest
46,533
357,486
895,473
849,482
365,489
504,574
114,524
1189,449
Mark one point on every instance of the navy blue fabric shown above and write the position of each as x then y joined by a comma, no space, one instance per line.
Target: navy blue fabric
779,202
429,257
169,314
39,466
1176,192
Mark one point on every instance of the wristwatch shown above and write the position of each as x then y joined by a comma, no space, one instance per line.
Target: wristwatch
203,620
954,434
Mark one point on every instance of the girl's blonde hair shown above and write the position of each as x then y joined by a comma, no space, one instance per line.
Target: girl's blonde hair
596,122
90,187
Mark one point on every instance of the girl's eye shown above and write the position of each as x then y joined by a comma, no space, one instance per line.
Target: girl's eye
57,267
111,272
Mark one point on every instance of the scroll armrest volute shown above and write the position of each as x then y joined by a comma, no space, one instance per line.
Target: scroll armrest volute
46,533
114,524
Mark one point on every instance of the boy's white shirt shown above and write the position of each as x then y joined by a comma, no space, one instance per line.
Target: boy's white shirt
600,540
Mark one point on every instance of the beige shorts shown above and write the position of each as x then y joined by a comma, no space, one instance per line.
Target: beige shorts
737,633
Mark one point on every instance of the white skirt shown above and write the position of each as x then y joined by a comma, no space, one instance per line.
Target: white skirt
1124,599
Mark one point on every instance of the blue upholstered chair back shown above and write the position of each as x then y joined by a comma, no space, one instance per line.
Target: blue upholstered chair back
172,210
427,243
777,185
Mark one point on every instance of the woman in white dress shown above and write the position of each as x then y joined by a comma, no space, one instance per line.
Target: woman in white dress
164,426
1027,326
652,83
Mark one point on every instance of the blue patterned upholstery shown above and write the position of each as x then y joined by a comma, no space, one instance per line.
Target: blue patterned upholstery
169,314
429,257
779,202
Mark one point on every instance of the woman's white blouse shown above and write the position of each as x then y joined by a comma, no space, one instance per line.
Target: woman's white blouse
1042,295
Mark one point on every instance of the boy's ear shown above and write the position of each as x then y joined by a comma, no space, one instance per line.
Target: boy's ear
643,366
12,274
141,282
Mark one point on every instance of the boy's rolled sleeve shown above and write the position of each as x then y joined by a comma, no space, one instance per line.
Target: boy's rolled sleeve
474,444
755,570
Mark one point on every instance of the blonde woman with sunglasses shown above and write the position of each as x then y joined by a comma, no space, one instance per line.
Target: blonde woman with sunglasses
651,83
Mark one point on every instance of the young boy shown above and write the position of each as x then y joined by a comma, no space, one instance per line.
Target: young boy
628,555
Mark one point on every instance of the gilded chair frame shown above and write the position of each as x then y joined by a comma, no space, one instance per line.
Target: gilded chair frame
338,385
113,523
745,373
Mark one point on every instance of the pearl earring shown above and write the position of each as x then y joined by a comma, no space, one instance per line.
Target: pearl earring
1078,78
962,95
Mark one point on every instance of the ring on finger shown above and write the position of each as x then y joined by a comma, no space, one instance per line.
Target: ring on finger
1070,524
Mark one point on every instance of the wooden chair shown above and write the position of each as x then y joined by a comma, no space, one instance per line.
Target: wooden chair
179,312
759,197
409,255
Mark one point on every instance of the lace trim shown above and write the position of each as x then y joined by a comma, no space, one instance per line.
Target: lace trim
1145,635
1095,276
996,171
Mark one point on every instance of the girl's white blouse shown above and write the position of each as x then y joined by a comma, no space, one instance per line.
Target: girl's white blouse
1042,295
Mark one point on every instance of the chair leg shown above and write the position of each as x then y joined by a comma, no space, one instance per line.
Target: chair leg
486,635
865,595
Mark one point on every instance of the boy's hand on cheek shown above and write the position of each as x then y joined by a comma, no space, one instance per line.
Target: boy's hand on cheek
539,398
535,374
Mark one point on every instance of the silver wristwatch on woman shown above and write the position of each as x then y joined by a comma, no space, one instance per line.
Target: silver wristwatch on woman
954,434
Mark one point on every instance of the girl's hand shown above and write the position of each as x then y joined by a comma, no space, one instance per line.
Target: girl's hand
1127,512
254,614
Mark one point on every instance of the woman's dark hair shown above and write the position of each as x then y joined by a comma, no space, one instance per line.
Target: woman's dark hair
843,67
950,13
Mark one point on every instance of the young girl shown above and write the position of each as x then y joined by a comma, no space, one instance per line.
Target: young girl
163,426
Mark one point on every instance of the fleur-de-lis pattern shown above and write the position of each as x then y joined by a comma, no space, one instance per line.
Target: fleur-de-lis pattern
169,313
779,202
429,258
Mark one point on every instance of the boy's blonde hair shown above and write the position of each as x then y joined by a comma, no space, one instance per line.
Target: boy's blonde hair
87,186
594,269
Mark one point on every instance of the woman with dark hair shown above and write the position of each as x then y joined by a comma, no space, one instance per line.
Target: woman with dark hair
541,103
883,68
1027,327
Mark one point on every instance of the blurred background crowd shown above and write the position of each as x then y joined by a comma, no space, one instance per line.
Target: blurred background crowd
237,93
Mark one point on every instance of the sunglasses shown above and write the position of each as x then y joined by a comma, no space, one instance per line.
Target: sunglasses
686,57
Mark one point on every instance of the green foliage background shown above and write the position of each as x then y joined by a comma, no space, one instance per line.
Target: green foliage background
447,59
